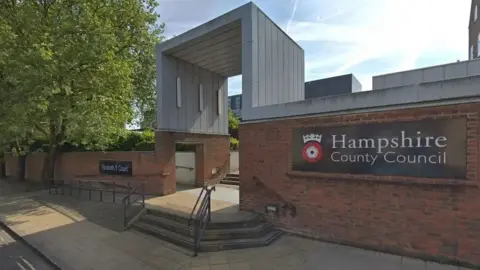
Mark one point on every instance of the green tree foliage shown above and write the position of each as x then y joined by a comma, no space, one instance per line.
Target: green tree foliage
233,121
74,70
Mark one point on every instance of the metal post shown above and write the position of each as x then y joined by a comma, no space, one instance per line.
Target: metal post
124,215
90,194
114,191
143,195
209,209
101,195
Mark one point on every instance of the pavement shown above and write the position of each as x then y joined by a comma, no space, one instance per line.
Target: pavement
15,255
74,242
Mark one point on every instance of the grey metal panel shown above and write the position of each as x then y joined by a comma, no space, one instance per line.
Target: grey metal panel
267,54
196,114
158,64
436,92
458,70
356,85
473,68
168,73
188,118
433,74
430,74
283,78
262,70
208,27
412,77
378,82
247,58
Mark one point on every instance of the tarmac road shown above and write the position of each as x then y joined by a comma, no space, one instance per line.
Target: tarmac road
14,255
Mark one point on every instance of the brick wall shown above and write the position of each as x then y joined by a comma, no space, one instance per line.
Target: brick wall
212,151
403,215
84,165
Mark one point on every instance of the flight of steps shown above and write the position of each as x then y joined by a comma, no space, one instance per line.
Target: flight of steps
231,179
252,232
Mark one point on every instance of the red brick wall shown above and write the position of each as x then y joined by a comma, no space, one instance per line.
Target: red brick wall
405,215
212,151
84,165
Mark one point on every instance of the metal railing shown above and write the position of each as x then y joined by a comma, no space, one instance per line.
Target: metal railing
202,216
79,187
128,203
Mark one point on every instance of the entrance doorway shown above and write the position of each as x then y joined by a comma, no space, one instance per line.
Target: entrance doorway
187,164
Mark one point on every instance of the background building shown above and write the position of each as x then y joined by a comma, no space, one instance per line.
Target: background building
474,31
344,84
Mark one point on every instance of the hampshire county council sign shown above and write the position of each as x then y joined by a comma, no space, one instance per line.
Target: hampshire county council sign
432,148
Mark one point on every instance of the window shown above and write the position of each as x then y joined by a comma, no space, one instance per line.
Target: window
478,45
200,97
179,93
475,14
237,102
471,52
219,102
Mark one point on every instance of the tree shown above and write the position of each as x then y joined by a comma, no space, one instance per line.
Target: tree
78,66
233,121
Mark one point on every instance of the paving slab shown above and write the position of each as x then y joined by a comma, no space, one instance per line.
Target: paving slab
75,243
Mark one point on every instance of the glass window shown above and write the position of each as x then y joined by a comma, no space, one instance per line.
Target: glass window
475,13
200,97
179,93
478,45
237,102
471,52
219,102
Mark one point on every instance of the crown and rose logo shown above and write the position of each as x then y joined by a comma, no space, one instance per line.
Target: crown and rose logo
312,150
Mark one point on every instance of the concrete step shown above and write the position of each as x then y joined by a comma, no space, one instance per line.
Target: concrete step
235,175
210,234
250,222
230,182
206,245
166,235
212,246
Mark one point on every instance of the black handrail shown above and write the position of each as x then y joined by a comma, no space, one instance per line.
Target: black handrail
204,211
195,206
82,185
127,202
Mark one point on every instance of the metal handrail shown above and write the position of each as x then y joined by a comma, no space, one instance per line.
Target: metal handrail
127,202
195,206
204,211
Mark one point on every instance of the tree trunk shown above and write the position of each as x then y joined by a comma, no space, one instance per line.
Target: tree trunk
56,141
3,169
22,160
22,165
48,170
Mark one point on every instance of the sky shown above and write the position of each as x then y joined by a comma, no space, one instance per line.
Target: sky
363,37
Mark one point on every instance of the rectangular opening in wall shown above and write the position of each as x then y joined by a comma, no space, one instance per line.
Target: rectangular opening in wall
179,93
219,102
200,97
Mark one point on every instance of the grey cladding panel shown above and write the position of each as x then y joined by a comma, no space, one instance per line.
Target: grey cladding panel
188,117
280,65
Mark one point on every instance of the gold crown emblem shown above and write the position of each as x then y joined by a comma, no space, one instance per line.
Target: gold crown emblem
312,137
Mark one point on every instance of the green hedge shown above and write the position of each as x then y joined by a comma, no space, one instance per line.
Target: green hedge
130,141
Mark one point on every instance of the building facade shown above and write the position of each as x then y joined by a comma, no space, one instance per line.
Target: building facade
474,31
343,84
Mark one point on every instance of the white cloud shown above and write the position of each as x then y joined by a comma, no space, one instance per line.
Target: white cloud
339,36
395,31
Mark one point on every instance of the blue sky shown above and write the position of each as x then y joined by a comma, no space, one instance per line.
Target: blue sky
363,37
